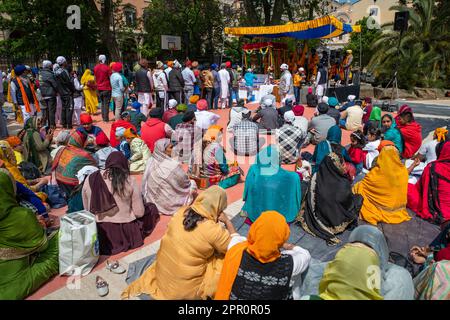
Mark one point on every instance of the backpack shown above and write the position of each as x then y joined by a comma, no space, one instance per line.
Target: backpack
29,170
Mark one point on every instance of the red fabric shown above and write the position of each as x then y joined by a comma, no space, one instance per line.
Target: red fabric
117,67
298,110
151,131
169,114
101,139
356,154
202,105
85,118
368,111
443,254
102,74
350,171
119,123
261,45
418,193
412,137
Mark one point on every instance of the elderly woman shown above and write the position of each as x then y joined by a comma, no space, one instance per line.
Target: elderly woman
114,196
360,271
260,255
385,188
61,141
36,150
215,168
165,183
28,257
189,271
71,159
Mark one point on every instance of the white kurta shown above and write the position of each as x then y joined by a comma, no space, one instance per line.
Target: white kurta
224,83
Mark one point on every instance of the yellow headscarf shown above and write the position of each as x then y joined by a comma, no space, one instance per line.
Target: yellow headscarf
87,76
211,203
354,274
212,134
385,190
441,134
130,134
265,238
9,158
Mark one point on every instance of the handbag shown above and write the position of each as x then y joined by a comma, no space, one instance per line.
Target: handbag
56,197
78,243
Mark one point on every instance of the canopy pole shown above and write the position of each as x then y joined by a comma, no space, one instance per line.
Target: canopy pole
360,52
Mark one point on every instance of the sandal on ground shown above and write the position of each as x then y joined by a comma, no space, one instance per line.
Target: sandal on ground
102,286
115,267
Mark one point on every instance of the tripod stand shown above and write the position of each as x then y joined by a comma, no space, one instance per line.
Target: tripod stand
394,82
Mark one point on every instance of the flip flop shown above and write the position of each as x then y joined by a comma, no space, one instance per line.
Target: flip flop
102,286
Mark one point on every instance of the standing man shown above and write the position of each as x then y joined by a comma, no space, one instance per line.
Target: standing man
161,85
48,87
235,82
144,86
23,94
208,84
230,86
216,93
321,82
176,82
286,85
117,89
347,65
66,90
189,81
102,75
224,85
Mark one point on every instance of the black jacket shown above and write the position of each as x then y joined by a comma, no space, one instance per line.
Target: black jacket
176,81
65,83
48,83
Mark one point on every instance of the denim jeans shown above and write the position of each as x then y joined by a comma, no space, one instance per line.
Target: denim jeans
105,98
297,95
188,92
249,92
216,98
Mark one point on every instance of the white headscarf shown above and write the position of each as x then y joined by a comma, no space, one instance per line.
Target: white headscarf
172,103
102,58
61,60
284,66
351,97
85,172
176,64
289,117
267,103
325,99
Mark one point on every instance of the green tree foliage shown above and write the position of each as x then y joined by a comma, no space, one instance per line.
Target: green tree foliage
423,55
361,43
38,29
199,23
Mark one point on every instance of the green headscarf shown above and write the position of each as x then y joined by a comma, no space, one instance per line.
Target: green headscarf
20,232
354,274
375,115
31,126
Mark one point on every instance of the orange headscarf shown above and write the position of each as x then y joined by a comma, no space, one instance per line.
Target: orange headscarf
130,134
385,143
265,238
13,141
212,134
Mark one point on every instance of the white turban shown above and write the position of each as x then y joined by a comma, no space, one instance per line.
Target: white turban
325,99
85,172
61,60
102,58
120,131
172,103
46,64
351,97
289,116
176,64
284,66
301,69
267,103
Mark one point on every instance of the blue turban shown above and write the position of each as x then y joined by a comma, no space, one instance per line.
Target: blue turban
333,102
214,66
136,105
19,69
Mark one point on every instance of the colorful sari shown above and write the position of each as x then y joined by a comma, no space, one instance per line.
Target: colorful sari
384,190
71,159
269,187
27,257
331,207
433,283
429,198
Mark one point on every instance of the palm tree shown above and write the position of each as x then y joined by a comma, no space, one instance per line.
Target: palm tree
422,51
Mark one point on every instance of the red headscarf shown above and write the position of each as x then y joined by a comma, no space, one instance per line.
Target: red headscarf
85,118
101,139
117,67
298,110
202,105
228,64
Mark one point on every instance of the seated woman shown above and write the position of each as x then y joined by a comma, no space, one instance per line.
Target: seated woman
391,132
374,121
215,168
269,187
118,207
35,149
71,159
360,271
165,183
274,273
28,258
411,132
75,201
429,198
61,141
332,144
331,207
16,144
438,250
385,188
140,153
189,271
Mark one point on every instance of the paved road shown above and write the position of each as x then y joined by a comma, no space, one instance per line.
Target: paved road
429,109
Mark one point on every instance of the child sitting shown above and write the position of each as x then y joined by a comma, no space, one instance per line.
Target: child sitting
356,150
123,146
371,148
